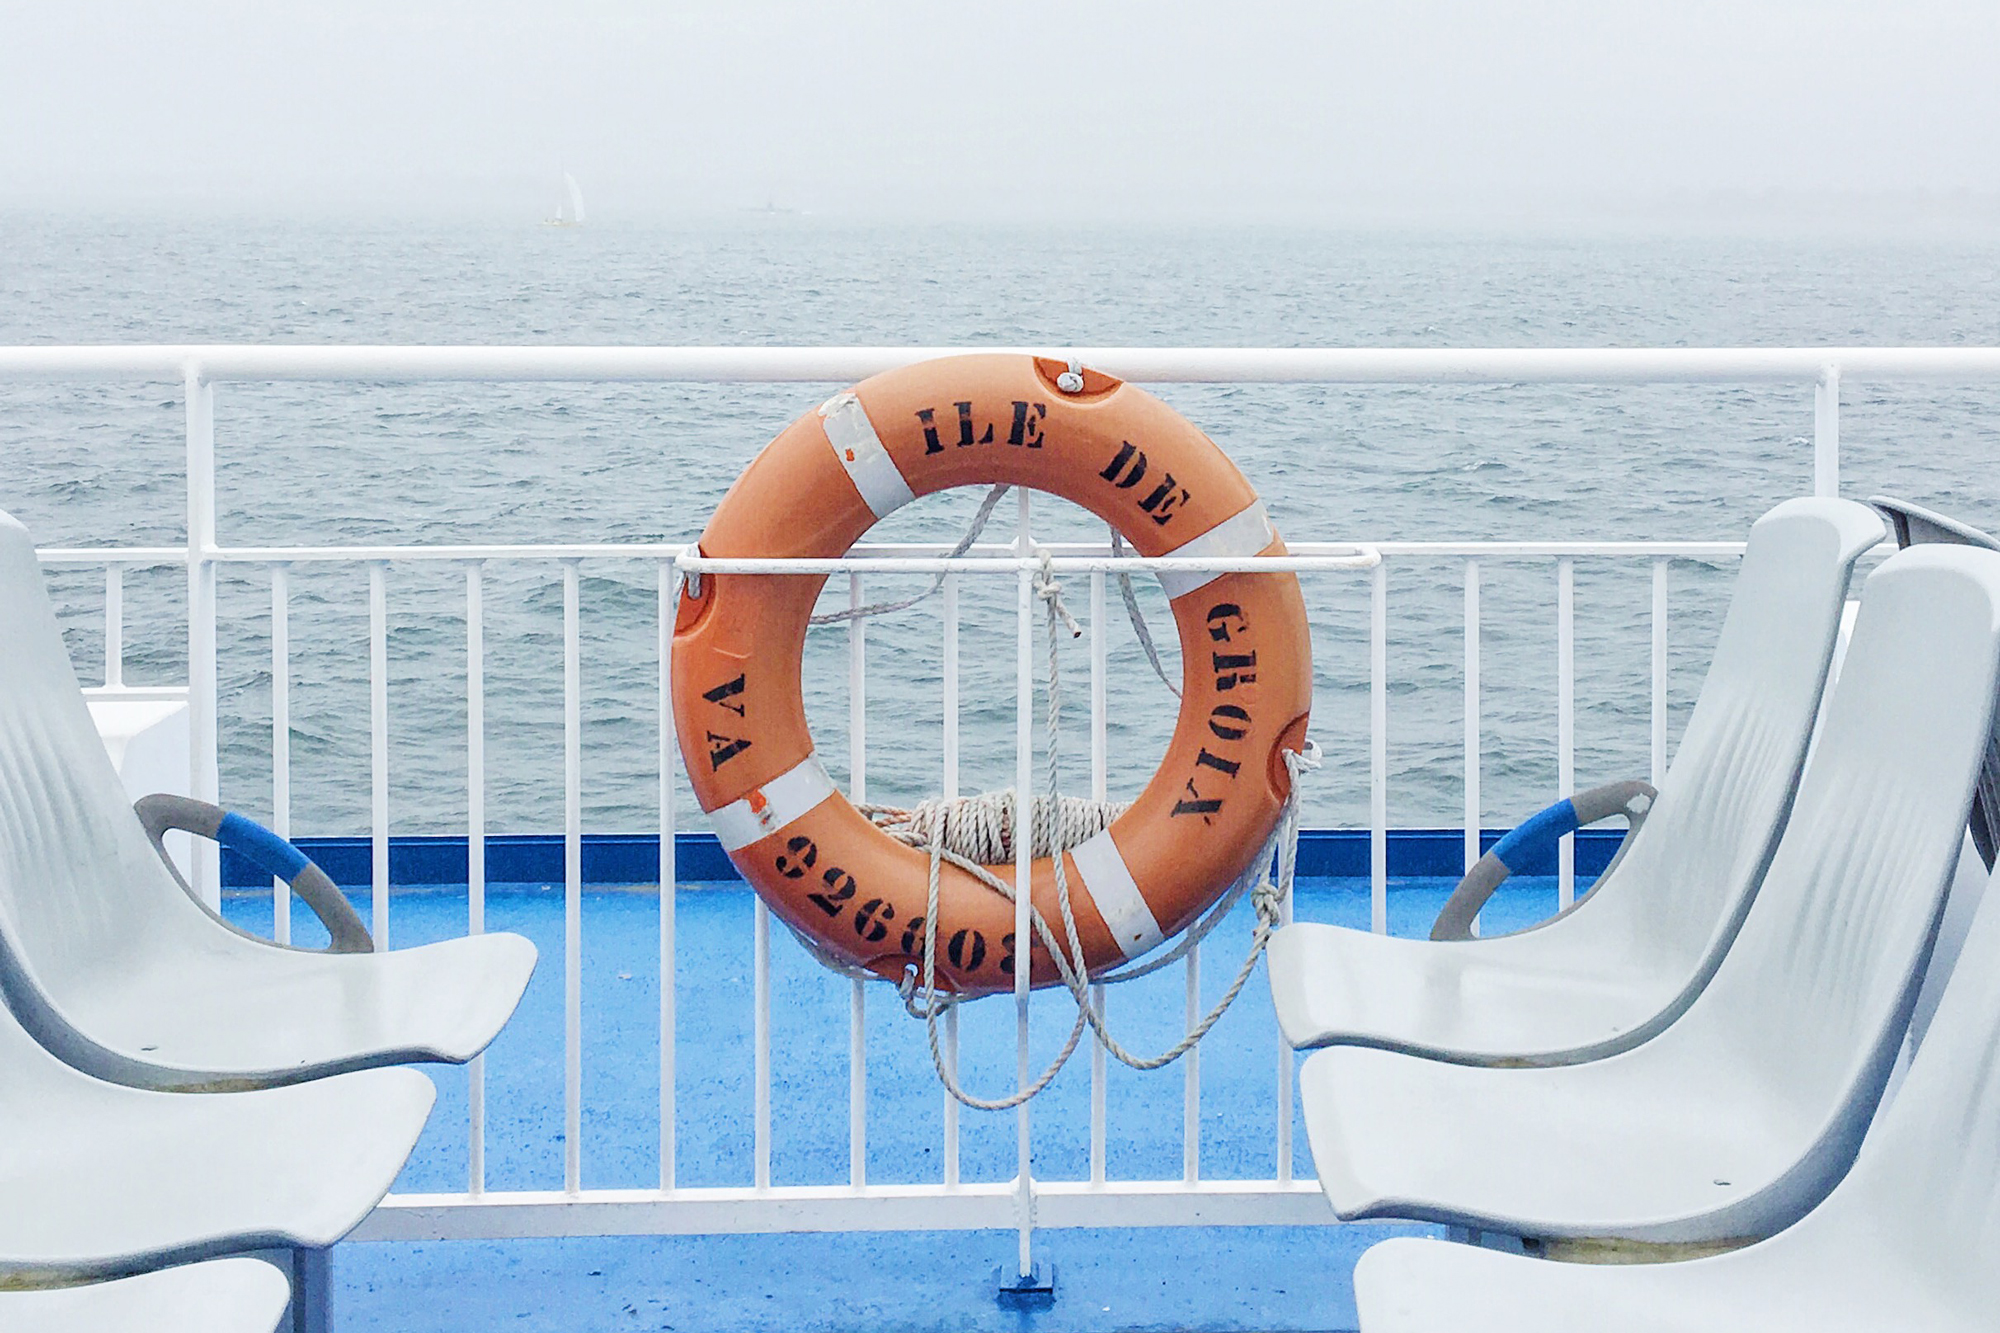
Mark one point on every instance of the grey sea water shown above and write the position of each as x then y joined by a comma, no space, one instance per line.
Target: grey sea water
345,463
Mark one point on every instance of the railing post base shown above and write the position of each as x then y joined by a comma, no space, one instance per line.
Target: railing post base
1032,1290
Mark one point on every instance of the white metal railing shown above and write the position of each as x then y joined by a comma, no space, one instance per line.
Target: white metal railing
950,1201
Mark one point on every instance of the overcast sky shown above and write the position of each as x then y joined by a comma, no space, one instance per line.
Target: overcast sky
1272,110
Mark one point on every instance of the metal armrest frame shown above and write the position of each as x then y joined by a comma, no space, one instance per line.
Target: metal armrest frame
1530,838
161,813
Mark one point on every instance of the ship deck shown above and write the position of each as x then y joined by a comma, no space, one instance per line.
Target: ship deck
1221,1277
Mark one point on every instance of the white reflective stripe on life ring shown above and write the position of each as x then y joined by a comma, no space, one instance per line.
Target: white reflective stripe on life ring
1247,533
1116,895
770,807
860,451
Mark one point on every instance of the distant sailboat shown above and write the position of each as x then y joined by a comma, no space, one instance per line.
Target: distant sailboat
569,210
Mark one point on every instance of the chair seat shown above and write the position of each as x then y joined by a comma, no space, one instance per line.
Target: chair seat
226,1011
102,1180
221,1296
1523,999
1860,1283
1657,1150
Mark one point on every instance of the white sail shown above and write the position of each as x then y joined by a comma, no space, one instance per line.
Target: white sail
575,199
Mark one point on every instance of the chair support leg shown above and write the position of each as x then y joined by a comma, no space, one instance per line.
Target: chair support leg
312,1291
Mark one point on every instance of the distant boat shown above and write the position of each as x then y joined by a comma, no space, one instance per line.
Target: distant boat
569,209
771,209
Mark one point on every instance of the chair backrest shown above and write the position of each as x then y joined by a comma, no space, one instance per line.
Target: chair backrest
81,889
1927,1182
1915,525
1814,996
1679,892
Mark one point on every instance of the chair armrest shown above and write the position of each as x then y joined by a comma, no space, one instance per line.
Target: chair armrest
160,813
1530,838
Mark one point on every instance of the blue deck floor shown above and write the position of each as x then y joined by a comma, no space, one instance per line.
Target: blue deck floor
1217,1278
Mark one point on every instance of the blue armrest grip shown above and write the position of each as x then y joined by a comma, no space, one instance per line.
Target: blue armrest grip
262,847
1536,834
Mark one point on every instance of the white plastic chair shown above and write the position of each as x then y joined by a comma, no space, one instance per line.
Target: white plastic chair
1743,1113
1907,1241
98,1180
1630,955
119,971
222,1296
1915,525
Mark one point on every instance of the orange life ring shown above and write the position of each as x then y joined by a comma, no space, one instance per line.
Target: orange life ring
1108,446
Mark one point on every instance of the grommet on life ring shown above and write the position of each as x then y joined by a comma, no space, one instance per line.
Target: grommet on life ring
739,643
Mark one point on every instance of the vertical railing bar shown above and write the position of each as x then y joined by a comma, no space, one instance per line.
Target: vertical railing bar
857,995
857,1083
475,846
1191,1075
760,971
1565,720
378,748
1100,778
572,879
1024,748
760,1043
1100,675
204,777
950,700
951,1102
1282,1130
857,696
1659,675
1378,751
114,626
281,740
670,596
1826,433
1284,1100
950,704
1472,799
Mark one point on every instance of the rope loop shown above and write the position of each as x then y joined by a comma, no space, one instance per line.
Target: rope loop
978,525
973,832
1130,597
970,831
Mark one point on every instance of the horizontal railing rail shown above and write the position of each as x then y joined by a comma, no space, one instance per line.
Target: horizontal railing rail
903,558
222,362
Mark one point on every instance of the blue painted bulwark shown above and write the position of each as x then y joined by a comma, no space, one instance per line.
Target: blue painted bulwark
419,860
